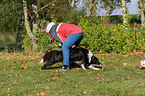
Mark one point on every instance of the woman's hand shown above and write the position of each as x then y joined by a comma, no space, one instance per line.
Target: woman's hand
73,46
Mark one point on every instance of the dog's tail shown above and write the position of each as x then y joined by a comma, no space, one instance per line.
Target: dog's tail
42,60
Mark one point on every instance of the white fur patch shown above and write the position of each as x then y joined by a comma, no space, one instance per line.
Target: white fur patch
42,60
82,65
90,54
78,62
92,67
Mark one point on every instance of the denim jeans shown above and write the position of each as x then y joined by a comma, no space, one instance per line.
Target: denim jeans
71,40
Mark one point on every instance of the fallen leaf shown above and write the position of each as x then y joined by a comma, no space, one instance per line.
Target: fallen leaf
42,93
47,87
128,77
89,73
84,92
141,67
91,83
98,74
10,66
77,93
9,88
124,64
23,67
68,77
54,78
48,80
76,85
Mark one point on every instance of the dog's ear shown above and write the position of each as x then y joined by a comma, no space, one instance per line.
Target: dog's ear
93,60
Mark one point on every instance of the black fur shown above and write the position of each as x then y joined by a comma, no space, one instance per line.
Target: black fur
76,54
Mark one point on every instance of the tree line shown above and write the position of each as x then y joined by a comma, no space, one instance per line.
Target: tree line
16,12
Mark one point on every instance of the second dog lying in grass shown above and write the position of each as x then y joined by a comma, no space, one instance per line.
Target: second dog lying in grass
81,56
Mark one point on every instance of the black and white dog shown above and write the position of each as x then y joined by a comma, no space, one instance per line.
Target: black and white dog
81,56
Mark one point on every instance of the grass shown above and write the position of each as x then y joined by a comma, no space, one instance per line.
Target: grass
20,76
7,38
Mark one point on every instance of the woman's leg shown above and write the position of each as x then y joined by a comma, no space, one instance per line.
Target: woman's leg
70,40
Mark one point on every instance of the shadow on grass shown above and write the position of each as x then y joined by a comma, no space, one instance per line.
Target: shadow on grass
143,68
10,48
72,66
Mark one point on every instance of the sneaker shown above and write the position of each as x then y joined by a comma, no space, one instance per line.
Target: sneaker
64,68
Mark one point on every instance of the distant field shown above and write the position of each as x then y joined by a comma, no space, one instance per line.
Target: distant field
20,76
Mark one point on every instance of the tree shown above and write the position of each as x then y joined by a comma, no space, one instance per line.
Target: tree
141,6
35,15
20,30
72,2
95,5
124,11
10,13
27,23
63,10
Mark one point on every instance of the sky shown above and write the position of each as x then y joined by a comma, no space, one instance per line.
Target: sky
132,8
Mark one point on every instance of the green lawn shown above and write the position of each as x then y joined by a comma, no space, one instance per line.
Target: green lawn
121,75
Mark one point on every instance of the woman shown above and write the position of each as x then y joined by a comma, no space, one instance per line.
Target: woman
69,35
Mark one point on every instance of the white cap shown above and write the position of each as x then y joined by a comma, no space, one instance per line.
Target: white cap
49,26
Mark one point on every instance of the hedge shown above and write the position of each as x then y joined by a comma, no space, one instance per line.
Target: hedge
99,38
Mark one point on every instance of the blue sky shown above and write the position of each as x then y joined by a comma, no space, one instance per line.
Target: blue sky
132,8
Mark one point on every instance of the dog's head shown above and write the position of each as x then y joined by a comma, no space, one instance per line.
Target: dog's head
95,64
95,61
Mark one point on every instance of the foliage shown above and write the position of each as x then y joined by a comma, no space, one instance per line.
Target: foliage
7,38
43,40
98,37
109,5
60,9
10,15
20,76
103,38
135,18
141,6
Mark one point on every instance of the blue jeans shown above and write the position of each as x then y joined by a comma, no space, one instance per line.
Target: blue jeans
71,40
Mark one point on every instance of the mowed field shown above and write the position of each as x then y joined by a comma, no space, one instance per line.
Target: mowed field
121,75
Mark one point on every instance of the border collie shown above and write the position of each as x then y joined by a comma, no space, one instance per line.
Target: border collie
81,56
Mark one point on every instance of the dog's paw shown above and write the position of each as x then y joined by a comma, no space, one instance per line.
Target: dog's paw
82,65
94,68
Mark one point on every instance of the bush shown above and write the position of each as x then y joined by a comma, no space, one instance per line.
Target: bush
99,38
43,40
103,38
10,15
